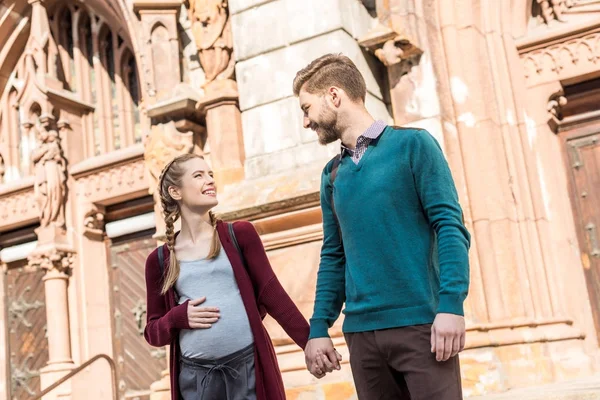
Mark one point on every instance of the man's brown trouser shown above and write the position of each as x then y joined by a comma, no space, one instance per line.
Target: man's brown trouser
398,364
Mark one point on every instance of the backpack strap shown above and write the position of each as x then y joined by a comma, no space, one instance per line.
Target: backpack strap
161,259
334,169
235,243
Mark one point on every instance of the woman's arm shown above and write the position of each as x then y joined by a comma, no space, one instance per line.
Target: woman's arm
160,323
269,291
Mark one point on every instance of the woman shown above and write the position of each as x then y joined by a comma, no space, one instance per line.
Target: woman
208,300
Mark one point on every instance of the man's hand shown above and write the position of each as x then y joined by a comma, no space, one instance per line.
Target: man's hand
321,357
447,336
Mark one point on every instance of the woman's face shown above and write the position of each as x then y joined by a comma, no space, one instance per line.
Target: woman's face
198,190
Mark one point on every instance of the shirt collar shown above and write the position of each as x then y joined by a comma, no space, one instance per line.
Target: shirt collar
372,132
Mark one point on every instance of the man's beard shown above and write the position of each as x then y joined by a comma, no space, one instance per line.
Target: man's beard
327,130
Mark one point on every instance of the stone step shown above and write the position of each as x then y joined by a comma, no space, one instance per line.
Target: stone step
580,389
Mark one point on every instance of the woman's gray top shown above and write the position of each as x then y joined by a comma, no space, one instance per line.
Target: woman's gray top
214,280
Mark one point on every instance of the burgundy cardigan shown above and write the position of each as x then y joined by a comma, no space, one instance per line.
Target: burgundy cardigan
258,286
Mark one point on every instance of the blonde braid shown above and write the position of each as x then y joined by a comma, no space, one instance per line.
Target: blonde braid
171,213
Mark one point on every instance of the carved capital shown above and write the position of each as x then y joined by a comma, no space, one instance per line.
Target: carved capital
94,225
54,259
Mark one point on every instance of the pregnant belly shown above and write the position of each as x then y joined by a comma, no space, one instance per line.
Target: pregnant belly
228,335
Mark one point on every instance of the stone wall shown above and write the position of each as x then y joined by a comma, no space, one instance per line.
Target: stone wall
272,41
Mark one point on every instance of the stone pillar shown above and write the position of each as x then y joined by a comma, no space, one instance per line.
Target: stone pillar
485,133
94,290
224,126
54,255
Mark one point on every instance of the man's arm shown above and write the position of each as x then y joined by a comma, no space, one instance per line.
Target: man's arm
439,199
331,292
321,357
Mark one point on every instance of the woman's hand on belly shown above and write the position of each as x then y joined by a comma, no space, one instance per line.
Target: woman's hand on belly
201,317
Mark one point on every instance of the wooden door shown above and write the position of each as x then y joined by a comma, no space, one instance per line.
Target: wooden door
27,342
138,364
583,155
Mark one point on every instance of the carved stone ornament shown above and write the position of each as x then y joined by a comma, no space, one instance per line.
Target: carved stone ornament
389,46
555,104
50,176
211,27
94,224
53,260
556,10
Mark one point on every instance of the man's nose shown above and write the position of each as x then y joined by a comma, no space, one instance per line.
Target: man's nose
306,122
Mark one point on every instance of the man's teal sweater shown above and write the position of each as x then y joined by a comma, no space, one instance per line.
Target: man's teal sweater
404,253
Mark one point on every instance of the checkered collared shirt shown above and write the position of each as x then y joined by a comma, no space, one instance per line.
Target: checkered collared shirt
363,141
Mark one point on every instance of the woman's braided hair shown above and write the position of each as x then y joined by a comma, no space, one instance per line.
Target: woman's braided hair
172,175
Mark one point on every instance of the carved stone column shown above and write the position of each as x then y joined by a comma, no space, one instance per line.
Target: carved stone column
56,259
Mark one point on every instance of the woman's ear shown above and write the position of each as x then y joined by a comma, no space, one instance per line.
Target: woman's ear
175,193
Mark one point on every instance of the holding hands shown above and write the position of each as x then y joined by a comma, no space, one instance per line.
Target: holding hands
321,357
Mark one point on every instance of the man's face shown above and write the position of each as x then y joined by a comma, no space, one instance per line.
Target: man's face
319,116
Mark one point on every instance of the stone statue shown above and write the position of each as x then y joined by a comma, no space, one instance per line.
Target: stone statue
211,27
50,178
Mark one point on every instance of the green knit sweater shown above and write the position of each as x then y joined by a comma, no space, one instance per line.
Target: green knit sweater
404,253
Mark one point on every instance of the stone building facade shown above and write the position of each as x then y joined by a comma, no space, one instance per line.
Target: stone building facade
96,96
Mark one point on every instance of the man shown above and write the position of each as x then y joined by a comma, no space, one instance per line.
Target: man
395,249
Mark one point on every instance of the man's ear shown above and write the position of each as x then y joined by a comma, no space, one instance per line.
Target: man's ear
335,96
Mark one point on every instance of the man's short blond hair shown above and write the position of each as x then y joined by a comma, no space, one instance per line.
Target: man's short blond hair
331,70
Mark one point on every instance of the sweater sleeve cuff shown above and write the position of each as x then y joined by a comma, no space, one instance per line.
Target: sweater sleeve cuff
318,329
451,304
178,316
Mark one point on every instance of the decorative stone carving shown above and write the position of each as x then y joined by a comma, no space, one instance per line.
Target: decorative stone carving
121,180
550,11
16,207
50,177
94,224
159,56
389,46
52,260
572,56
553,9
555,104
211,27
557,101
